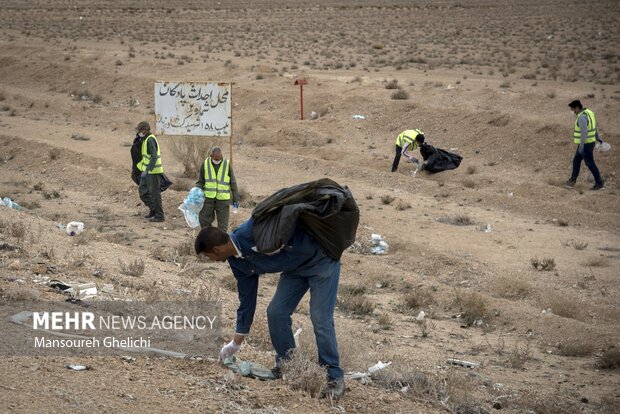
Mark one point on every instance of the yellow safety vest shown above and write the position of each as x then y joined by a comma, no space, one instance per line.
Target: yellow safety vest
217,185
591,137
408,136
146,157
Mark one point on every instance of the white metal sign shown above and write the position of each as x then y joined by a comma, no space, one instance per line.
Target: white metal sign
184,108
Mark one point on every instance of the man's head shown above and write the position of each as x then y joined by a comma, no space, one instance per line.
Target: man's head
214,243
420,139
575,106
143,128
216,155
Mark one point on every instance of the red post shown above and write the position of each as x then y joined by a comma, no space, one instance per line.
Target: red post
301,83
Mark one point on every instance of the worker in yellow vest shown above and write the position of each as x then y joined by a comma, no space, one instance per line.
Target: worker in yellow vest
220,188
151,173
406,141
585,135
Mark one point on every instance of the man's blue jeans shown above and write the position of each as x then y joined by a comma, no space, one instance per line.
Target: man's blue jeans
588,157
323,288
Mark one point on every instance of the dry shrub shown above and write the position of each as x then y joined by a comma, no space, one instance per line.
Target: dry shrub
472,169
79,137
352,290
576,244
402,205
600,261
133,268
533,401
418,298
562,305
186,248
400,95
191,152
610,359
357,304
576,347
546,264
512,288
472,305
459,220
387,199
384,321
85,237
468,183
54,153
393,84
301,373
519,355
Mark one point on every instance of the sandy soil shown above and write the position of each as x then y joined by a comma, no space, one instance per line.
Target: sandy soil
490,80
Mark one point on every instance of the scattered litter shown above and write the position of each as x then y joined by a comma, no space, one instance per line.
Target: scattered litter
461,363
404,389
378,244
379,366
128,358
7,202
314,115
191,207
75,290
77,367
362,376
603,146
358,116
486,228
296,336
74,228
420,316
249,369
417,167
10,247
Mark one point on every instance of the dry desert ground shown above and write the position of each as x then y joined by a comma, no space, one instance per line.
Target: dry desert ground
514,272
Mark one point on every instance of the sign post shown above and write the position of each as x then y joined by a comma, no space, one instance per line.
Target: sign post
301,83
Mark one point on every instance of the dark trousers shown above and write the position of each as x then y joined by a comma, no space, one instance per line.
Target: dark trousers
213,207
399,150
588,157
150,194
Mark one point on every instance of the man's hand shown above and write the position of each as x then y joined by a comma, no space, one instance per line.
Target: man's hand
580,150
414,160
143,175
228,350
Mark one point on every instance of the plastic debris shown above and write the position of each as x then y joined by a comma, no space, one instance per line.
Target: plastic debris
378,244
77,367
314,115
191,207
461,363
486,228
296,336
7,202
358,116
379,366
75,290
249,369
74,228
602,146
420,316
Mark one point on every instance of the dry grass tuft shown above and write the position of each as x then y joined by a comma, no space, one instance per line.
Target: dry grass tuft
301,373
472,305
387,199
599,261
512,288
191,152
472,169
576,347
134,268
610,359
546,264
420,298
402,205
459,220
357,304
21,294
562,305
576,244
400,94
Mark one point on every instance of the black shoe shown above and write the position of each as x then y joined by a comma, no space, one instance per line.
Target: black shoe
148,216
277,372
156,219
335,389
570,183
598,187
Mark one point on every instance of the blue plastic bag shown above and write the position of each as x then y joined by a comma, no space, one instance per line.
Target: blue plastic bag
191,207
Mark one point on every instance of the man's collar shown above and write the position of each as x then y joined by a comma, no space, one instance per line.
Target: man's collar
239,255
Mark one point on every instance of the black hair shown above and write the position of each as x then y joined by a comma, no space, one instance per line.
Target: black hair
576,104
420,138
208,238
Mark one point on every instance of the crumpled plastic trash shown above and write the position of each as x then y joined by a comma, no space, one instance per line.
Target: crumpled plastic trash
379,366
191,207
74,228
7,202
73,367
249,369
602,146
378,245
358,116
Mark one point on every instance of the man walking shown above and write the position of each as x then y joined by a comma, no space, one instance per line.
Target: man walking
407,140
305,266
219,185
151,173
585,135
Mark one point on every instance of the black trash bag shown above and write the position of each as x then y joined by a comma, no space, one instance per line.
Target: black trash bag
164,181
323,208
436,160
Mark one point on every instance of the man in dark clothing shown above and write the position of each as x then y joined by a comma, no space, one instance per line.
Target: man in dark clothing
304,265
219,185
151,173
